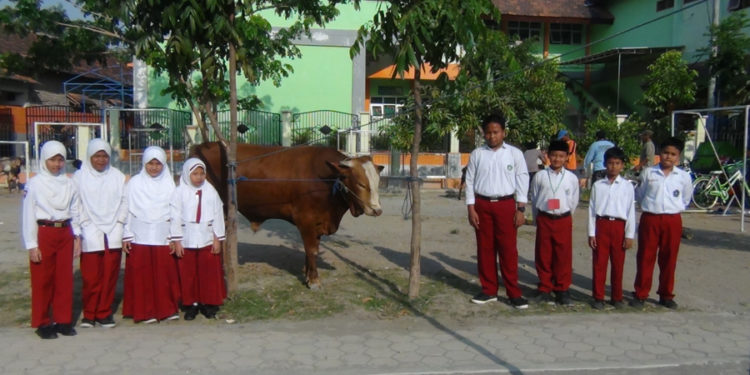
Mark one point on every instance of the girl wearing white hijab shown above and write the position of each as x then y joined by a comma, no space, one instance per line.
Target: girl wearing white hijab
102,213
50,234
197,232
152,286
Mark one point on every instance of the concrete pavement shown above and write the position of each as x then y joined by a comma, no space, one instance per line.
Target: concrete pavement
616,343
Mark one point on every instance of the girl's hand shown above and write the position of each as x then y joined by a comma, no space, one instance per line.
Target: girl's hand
216,248
35,256
176,248
126,247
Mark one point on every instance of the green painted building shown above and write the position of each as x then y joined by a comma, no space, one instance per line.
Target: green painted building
603,46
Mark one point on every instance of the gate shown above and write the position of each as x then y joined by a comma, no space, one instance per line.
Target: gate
6,132
253,127
140,128
55,114
321,127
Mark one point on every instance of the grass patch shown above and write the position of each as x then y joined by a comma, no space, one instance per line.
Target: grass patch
15,298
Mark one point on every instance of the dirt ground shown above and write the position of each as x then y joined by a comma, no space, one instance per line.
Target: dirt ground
713,271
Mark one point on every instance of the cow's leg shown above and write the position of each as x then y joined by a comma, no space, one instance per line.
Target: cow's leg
311,241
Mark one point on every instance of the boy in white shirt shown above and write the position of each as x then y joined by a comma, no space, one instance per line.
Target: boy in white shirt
663,193
554,194
611,227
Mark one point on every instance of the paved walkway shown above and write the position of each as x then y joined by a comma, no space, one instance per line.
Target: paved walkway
651,343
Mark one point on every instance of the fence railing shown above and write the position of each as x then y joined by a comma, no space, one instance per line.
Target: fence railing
254,127
6,131
321,127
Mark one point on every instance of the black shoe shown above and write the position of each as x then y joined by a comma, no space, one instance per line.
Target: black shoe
481,299
191,312
519,303
598,304
47,332
209,311
637,303
87,323
66,329
668,303
545,297
618,304
107,322
563,298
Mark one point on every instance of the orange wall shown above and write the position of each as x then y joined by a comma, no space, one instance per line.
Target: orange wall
384,158
19,118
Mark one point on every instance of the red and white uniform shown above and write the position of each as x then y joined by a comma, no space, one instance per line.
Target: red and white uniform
495,181
102,213
554,199
611,221
152,286
197,217
662,198
48,213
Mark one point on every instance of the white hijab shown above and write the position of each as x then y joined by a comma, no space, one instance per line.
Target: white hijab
100,192
148,197
57,189
187,193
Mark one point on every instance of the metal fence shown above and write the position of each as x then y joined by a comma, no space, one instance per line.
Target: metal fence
54,114
6,131
140,128
321,127
254,127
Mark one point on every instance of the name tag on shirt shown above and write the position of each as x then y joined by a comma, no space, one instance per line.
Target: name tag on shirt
553,204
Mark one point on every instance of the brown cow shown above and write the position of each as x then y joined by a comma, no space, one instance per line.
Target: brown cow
311,187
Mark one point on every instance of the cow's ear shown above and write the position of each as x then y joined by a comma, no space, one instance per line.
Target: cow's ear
380,168
335,168
347,163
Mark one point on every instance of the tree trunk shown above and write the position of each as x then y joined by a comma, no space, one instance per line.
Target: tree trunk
231,265
416,213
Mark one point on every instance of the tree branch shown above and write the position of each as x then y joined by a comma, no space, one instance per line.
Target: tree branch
93,29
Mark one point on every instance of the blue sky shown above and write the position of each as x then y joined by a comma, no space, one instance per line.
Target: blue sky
70,10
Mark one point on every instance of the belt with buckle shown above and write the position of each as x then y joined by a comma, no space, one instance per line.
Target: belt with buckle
610,218
54,223
554,216
493,199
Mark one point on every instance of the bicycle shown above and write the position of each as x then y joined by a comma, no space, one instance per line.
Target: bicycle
708,190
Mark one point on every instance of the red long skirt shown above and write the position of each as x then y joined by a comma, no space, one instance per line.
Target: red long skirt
202,277
152,284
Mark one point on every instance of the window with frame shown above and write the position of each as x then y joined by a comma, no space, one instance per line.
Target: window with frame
738,4
525,30
689,1
386,106
664,4
565,33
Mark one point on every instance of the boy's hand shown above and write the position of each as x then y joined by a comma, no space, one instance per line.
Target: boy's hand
592,243
520,219
77,247
628,243
473,217
35,256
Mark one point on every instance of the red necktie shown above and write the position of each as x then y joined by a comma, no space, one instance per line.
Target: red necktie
199,193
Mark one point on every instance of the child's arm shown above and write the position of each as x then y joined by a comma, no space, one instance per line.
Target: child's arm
573,195
687,190
175,227
122,211
29,227
471,168
592,217
630,221
218,225
76,207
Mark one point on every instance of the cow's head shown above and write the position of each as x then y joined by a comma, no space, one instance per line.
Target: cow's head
361,177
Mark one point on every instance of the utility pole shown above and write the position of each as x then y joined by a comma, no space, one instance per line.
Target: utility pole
714,51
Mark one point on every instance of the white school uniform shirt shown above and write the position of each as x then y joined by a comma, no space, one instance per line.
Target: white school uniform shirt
148,203
185,226
615,199
48,197
549,184
103,206
495,173
660,194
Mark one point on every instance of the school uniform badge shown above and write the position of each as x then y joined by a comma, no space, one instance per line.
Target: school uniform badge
510,167
676,193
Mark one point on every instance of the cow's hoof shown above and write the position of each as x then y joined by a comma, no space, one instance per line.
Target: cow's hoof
314,285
